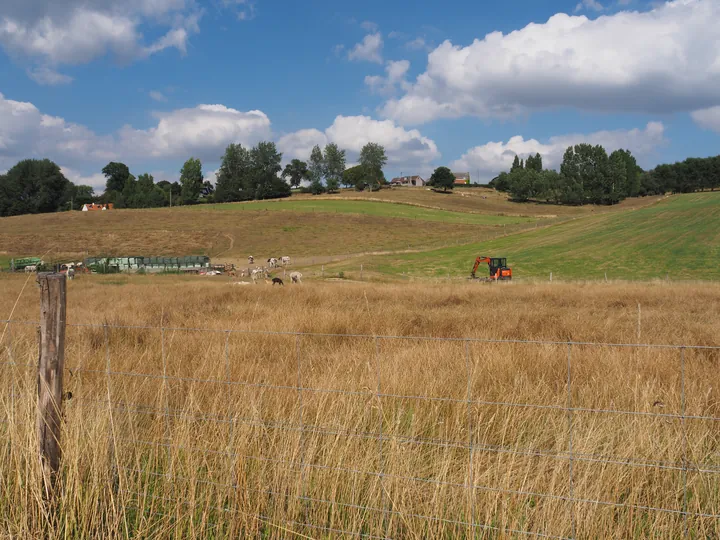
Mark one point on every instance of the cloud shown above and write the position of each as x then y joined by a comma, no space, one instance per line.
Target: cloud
157,96
493,158
46,76
369,26
26,132
403,147
203,132
72,32
96,181
396,71
593,5
369,49
659,61
708,118
417,44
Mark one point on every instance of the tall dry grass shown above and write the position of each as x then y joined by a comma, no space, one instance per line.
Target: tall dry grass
214,434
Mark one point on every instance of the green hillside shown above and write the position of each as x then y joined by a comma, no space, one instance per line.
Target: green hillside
369,208
679,235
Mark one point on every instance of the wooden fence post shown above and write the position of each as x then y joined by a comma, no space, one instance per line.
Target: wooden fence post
50,373
361,271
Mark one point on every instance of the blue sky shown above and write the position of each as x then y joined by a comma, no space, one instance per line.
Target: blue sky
459,83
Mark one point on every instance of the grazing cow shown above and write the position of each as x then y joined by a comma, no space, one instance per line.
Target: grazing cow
71,273
272,262
285,261
251,260
296,277
277,281
30,269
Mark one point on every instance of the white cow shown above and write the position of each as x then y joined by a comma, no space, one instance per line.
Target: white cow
296,277
30,269
272,262
251,260
285,261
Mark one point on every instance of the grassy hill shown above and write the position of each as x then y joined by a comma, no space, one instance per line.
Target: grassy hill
406,229
679,235
304,228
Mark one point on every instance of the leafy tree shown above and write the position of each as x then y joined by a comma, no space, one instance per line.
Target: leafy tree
316,170
116,175
234,177
32,186
334,159
516,164
266,165
373,159
632,172
191,180
355,177
296,171
534,163
149,195
442,178
502,182
129,193
76,196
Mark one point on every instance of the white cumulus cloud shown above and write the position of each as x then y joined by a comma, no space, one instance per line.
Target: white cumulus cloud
157,95
46,76
71,32
203,132
708,118
493,158
396,71
663,60
369,49
402,146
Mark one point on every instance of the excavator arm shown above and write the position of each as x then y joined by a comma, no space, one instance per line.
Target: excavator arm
478,262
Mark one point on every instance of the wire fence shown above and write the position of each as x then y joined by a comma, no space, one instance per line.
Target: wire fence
378,436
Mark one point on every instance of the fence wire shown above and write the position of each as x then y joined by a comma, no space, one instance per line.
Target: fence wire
246,427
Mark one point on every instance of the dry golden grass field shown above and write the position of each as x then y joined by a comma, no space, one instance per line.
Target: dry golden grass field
275,426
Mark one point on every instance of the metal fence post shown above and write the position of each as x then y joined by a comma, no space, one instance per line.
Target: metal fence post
50,373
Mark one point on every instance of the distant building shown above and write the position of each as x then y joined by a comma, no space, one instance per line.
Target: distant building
97,207
462,177
408,181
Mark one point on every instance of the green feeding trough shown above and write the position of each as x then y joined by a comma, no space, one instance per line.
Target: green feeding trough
147,264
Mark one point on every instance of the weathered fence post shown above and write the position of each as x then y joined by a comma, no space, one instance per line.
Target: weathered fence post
50,373
361,271
550,277
322,274
639,321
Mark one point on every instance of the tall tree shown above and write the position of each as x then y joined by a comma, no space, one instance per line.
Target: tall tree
233,178
316,170
116,175
515,164
296,171
334,166
266,163
373,158
191,180
442,178
32,186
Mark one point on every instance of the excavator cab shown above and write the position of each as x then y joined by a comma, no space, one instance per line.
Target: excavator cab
498,267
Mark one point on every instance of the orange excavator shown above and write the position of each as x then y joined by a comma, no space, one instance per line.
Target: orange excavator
499,269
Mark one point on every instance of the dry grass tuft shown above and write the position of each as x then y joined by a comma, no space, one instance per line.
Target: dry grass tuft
220,440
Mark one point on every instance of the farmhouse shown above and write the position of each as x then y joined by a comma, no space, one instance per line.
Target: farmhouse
92,207
461,178
408,181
